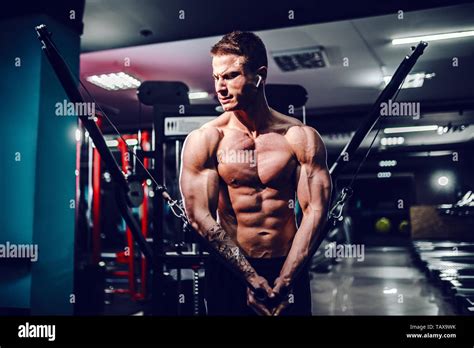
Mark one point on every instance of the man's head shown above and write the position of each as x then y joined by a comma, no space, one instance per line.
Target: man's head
239,64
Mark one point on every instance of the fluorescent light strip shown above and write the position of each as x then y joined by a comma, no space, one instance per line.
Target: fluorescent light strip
434,37
198,95
410,129
114,81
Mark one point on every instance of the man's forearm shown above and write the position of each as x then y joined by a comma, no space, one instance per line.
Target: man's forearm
311,225
230,251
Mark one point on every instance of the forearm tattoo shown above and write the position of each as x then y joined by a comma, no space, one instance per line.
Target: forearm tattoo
221,241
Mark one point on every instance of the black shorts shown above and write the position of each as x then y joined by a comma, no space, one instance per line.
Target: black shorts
226,294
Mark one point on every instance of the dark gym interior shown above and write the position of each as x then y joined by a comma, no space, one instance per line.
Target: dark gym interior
403,242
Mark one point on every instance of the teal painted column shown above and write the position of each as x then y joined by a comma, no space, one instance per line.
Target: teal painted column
37,182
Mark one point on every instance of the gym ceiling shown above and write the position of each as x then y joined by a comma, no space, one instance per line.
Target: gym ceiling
161,46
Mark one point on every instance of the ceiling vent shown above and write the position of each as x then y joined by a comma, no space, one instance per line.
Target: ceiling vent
300,59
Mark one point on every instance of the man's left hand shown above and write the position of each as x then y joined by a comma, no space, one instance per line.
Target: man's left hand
281,289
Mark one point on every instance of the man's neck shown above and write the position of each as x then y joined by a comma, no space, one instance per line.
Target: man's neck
254,119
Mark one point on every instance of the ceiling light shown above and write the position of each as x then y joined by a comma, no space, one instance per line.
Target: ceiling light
443,180
388,163
392,141
384,175
114,81
198,95
435,37
410,129
390,291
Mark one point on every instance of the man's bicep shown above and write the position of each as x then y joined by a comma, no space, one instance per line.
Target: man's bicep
199,180
314,188
314,183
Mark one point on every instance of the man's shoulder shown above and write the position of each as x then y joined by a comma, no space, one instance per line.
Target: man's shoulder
213,128
297,133
208,136
305,141
303,132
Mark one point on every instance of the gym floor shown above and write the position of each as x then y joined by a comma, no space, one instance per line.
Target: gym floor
386,283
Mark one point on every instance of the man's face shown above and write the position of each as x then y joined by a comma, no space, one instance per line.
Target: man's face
235,89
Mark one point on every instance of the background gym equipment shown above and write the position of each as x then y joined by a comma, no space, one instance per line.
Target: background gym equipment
448,263
374,199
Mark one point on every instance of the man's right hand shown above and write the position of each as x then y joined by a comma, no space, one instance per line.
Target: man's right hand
260,284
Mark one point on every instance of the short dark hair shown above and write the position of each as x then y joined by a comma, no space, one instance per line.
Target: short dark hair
245,44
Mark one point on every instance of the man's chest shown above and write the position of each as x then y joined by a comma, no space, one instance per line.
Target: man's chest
267,160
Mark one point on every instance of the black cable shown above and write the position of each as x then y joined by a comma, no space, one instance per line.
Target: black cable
354,177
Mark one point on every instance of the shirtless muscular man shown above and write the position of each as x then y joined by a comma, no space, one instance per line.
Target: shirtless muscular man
239,176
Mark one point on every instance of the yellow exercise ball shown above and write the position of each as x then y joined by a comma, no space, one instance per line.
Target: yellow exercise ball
404,227
383,225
